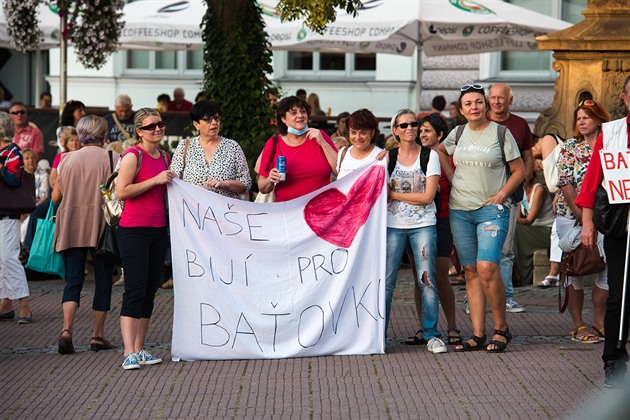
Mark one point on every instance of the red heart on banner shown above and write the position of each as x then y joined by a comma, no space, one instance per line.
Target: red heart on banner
336,217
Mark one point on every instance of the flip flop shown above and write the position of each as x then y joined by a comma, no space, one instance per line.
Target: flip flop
548,281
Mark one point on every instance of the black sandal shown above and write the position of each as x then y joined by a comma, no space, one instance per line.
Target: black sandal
500,346
65,344
454,340
480,344
415,341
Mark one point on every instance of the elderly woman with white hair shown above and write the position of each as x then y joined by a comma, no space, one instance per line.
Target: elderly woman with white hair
80,223
13,283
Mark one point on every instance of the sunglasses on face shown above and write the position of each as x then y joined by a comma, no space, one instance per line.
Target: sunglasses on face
154,126
404,126
468,87
20,112
587,102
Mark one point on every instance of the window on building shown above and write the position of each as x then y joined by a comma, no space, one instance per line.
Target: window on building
164,62
519,64
329,63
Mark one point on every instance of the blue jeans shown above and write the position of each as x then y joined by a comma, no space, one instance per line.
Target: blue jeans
479,234
507,256
423,243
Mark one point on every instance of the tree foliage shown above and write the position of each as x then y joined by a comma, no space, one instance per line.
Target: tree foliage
237,62
316,14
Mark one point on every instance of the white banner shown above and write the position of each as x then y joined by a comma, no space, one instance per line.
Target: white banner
616,174
295,279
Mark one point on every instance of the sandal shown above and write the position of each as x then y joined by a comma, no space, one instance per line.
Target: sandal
500,346
549,281
103,345
65,344
582,335
455,339
480,344
599,331
415,340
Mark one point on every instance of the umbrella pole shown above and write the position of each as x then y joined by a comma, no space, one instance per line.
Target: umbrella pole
63,59
418,89
622,324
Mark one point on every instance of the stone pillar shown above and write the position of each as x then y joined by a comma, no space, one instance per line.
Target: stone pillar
593,60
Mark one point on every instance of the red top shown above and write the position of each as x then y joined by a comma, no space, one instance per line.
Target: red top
445,193
146,209
184,107
520,130
307,167
594,173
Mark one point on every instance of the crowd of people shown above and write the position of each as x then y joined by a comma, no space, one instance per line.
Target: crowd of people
452,191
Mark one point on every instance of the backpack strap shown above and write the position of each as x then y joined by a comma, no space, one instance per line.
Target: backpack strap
459,132
425,152
111,161
274,145
501,135
393,157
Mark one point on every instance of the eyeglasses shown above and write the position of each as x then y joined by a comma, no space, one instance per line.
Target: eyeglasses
468,87
215,117
20,112
587,102
404,126
152,127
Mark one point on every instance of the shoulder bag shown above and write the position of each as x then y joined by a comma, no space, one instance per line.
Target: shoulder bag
18,200
610,219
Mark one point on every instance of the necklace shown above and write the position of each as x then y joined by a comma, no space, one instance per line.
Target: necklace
474,138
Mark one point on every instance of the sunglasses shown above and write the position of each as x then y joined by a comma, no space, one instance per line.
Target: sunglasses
152,127
587,102
468,87
215,117
404,126
21,112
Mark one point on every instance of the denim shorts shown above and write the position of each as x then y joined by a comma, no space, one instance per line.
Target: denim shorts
479,234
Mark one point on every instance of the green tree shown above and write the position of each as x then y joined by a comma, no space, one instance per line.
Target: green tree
237,60
316,14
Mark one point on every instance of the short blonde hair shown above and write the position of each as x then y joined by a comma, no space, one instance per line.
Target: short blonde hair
92,129
67,131
141,114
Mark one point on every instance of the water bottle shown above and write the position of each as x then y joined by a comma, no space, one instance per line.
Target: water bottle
106,193
281,164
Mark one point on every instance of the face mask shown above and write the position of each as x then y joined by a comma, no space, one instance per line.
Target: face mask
296,132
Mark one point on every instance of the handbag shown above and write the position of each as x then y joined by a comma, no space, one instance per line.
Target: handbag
582,261
266,198
113,207
18,200
107,245
43,257
610,219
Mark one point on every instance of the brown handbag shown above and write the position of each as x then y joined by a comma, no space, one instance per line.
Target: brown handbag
18,200
582,261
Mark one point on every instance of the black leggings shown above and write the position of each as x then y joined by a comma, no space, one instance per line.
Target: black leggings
616,259
142,252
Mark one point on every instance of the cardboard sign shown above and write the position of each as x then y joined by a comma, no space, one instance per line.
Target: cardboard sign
615,164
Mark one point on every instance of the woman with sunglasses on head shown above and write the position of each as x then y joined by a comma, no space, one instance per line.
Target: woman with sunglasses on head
211,160
479,212
310,154
573,161
142,236
411,217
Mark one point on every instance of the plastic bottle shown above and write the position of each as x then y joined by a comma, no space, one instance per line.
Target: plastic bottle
106,193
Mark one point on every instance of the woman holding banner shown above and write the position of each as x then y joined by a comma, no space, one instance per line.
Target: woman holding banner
142,237
573,161
411,217
310,154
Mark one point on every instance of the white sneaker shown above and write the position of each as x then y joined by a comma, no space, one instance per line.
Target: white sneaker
436,346
467,309
513,307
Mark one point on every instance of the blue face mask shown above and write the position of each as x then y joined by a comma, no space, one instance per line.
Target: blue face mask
296,132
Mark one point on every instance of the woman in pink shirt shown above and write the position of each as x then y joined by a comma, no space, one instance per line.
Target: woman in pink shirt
142,237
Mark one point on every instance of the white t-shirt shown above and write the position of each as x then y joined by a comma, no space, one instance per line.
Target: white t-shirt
407,179
350,164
